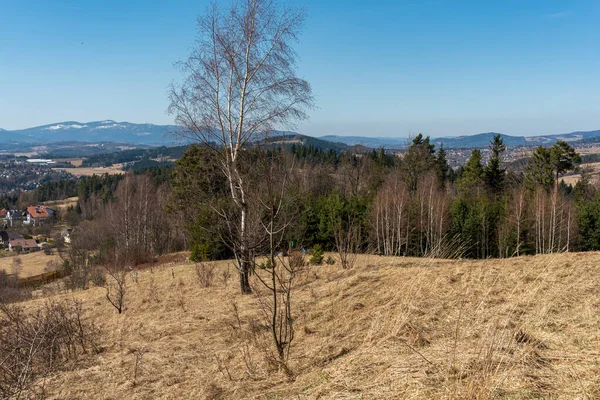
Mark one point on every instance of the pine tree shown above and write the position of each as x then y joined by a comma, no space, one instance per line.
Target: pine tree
442,166
494,175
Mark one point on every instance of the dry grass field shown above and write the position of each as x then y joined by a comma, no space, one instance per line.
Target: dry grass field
389,328
75,161
112,170
33,263
62,204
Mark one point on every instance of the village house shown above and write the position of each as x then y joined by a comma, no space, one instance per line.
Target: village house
67,235
11,216
23,245
7,236
36,215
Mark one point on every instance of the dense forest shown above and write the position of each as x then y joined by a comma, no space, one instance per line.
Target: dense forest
133,155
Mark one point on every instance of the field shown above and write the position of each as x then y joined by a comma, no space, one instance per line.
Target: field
573,179
62,204
83,171
75,161
33,263
388,328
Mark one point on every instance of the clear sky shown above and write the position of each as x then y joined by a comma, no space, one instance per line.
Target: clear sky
378,68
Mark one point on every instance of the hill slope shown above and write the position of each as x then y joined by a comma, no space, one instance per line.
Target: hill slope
388,328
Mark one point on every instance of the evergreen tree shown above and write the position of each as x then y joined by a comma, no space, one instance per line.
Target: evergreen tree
418,159
563,158
442,167
539,170
494,175
473,174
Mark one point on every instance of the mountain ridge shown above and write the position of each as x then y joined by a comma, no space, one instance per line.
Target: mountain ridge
478,140
109,130
96,131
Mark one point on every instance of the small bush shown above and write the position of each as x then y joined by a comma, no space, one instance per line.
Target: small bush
98,276
34,344
205,274
316,255
329,260
226,275
10,291
296,261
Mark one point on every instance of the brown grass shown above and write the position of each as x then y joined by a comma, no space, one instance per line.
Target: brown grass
62,204
389,328
75,161
574,178
33,263
112,170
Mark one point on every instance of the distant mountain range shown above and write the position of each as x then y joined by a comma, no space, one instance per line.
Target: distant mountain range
468,141
99,131
150,134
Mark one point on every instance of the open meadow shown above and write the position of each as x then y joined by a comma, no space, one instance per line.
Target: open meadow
388,328
31,264
89,171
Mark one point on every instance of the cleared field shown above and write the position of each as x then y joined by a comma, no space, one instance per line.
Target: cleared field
32,263
388,328
62,204
573,179
75,161
112,170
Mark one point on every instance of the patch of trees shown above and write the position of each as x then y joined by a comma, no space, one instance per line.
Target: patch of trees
133,155
56,190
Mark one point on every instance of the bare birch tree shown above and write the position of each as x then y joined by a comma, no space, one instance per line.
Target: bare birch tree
240,83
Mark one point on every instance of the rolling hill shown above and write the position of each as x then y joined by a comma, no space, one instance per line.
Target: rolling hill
389,328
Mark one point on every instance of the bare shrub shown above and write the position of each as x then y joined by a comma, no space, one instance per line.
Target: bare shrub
98,276
346,242
138,353
205,274
9,289
78,279
32,345
17,266
226,275
116,287
52,265
276,307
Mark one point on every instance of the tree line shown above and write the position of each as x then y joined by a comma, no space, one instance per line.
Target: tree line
412,205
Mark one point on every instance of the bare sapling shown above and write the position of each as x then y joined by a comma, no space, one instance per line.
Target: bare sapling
346,237
279,272
116,286
16,266
205,274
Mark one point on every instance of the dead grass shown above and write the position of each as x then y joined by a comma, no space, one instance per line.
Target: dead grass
75,161
83,171
62,204
389,328
33,263
574,178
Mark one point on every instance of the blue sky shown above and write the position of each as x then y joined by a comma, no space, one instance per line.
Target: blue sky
385,68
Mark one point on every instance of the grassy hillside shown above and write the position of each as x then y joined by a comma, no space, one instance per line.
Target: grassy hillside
389,328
